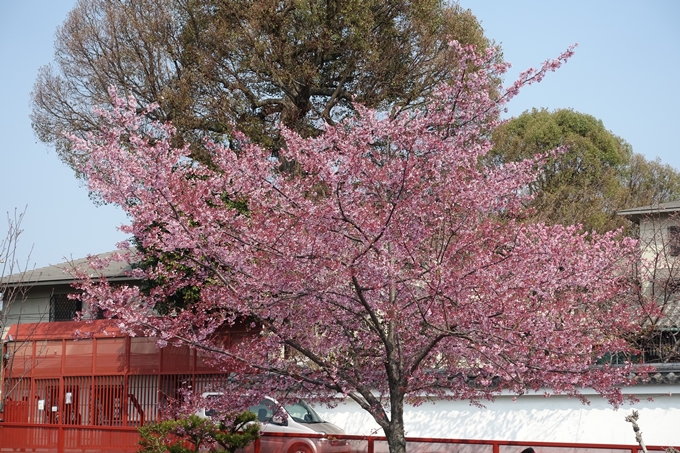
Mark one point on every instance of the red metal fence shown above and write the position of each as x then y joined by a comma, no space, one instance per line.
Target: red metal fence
16,437
66,439
109,379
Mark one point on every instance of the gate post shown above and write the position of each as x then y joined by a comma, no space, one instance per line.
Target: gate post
60,439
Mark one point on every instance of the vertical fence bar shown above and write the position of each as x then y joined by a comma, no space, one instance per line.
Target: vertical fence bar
31,401
60,442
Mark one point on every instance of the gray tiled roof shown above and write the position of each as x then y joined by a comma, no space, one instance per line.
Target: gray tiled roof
660,208
59,273
665,373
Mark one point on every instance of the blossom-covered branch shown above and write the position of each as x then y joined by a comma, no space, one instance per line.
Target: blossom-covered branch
392,267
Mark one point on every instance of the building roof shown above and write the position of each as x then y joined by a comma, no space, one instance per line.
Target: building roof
659,208
664,373
59,273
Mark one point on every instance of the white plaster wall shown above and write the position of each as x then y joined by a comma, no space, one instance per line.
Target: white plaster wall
654,236
532,418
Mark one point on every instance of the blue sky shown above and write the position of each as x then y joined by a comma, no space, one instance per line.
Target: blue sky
625,72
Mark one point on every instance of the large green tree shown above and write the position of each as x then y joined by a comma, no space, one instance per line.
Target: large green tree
210,64
595,176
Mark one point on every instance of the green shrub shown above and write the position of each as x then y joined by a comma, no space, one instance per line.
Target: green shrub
193,433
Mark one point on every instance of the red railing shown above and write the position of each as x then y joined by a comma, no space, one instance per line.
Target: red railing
67,439
20,437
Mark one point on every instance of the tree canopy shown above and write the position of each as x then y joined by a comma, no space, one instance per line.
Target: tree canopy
596,176
255,64
409,275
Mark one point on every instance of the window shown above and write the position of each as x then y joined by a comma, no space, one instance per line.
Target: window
674,240
64,309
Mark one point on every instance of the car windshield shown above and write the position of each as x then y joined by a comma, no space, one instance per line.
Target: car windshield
210,412
302,413
265,410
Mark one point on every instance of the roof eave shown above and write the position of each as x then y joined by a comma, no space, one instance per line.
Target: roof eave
67,281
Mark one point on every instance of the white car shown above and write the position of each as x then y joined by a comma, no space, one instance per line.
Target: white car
296,418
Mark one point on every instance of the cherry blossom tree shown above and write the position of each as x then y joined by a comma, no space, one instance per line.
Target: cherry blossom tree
393,268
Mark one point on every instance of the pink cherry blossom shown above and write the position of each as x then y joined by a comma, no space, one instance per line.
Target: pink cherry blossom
392,269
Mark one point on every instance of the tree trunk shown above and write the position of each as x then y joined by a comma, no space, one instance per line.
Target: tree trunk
396,438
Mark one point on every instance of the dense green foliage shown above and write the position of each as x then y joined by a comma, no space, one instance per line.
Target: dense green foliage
595,177
212,64
194,433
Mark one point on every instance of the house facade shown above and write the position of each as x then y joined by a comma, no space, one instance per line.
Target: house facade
658,273
41,295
